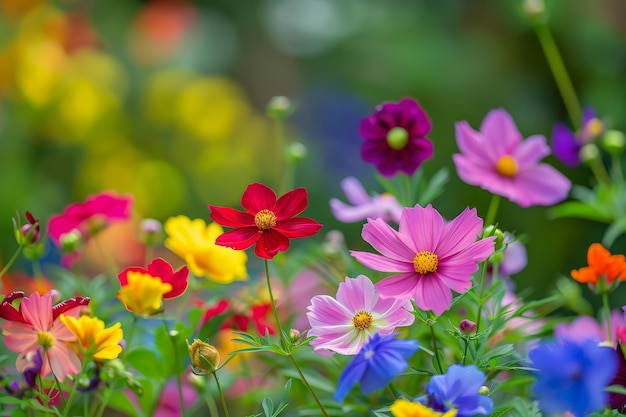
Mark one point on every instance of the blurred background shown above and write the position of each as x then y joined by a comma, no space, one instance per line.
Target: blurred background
165,99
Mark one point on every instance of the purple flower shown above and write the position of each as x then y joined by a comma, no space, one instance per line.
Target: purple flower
383,206
566,144
345,324
618,401
395,138
499,161
376,364
572,376
431,256
458,389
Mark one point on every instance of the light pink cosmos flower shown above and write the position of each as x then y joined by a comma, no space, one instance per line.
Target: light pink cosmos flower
586,327
343,325
499,161
35,327
89,217
431,256
383,206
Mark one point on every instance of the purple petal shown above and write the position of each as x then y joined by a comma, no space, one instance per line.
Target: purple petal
461,232
565,146
421,228
399,286
387,240
382,263
357,294
500,131
531,151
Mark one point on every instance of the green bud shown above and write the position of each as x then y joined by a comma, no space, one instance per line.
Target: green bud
397,138
296,152
279,107
294,335
484,390
492,230
614,142
589,152
71,241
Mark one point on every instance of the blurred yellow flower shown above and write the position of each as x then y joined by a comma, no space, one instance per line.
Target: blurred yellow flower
92,337
194,241
405,408
143,293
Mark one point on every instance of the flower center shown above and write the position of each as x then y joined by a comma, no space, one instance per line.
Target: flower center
265,219
45,340
397,138
425,262
362,320
593,127
506,166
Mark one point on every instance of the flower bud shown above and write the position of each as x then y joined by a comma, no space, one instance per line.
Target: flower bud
614,142
203,355
150,232
279,107
296,152
589,152
492,230
467,327
294,335
29,233
484,390
71,241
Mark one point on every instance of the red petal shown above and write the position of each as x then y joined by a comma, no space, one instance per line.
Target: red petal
270,244
291,204
63,306
229,217
160,268
215,310
7,311
297,228
122,276
258,197
239,239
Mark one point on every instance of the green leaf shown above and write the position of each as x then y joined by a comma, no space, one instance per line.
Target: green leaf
268,406
578,209
146,362
434,188
618,389
615,230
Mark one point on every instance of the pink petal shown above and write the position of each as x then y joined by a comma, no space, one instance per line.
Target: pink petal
357,294
543,186
354,191
530,151
291,204
325,311
500,132
386,240
399,286
473,146
63,361
393,312
432,294
461,232
421,227
258,197
19,337
37,310
381,263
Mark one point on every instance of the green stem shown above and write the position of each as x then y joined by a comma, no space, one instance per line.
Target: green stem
465,351
607,313
57,382
435,348
493,210
406,186
308,386
11,261
103,403
390,392
563,82
599,171
179,380
130,334
481,294
219,389
70,399
279,328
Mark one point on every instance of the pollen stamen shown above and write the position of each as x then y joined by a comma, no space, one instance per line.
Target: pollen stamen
507,166
362,320
425,262
265,219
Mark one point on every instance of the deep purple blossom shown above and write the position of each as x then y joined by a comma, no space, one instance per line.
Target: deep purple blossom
376,364
458,389
566,144
395,138
498,160
572,376
618,401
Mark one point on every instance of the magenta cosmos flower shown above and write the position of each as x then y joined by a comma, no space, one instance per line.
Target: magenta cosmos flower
345,324
268,223
395,138
499,161
35,328
431,256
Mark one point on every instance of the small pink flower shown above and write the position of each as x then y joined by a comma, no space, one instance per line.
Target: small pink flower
345,324
586,327
383,206
89,217
431,256
35,327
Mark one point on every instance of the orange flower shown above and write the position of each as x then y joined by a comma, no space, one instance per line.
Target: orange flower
601,264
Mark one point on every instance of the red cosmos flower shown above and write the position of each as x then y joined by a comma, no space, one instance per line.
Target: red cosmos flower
268,222
241,320
160,268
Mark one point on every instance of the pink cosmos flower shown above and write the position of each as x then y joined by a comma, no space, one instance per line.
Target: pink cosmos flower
586,327
363,206
431,256
89,217
497,160
35,328
345,324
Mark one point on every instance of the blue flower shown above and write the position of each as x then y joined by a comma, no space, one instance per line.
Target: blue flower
458,389
572,376
376,364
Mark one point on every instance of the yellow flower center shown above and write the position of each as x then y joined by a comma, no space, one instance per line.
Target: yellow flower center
45,340
425,262
507,166
397,138
594,127
265,219
362,320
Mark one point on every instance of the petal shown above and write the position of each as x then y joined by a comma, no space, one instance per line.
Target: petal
291,204
63,361
421,228
357,294
297,228
160,268
543,185
472,144
7,311
401,286
382,263
71,306
531,151
432,294
386,240
258,197
460,233
37,311
270,243
354,191
349,376
500,132
239,239
230,217
565,146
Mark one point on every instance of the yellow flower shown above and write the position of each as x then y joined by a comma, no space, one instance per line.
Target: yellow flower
143,293
194,241
92,337
405,408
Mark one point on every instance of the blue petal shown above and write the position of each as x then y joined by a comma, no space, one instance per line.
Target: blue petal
349,376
